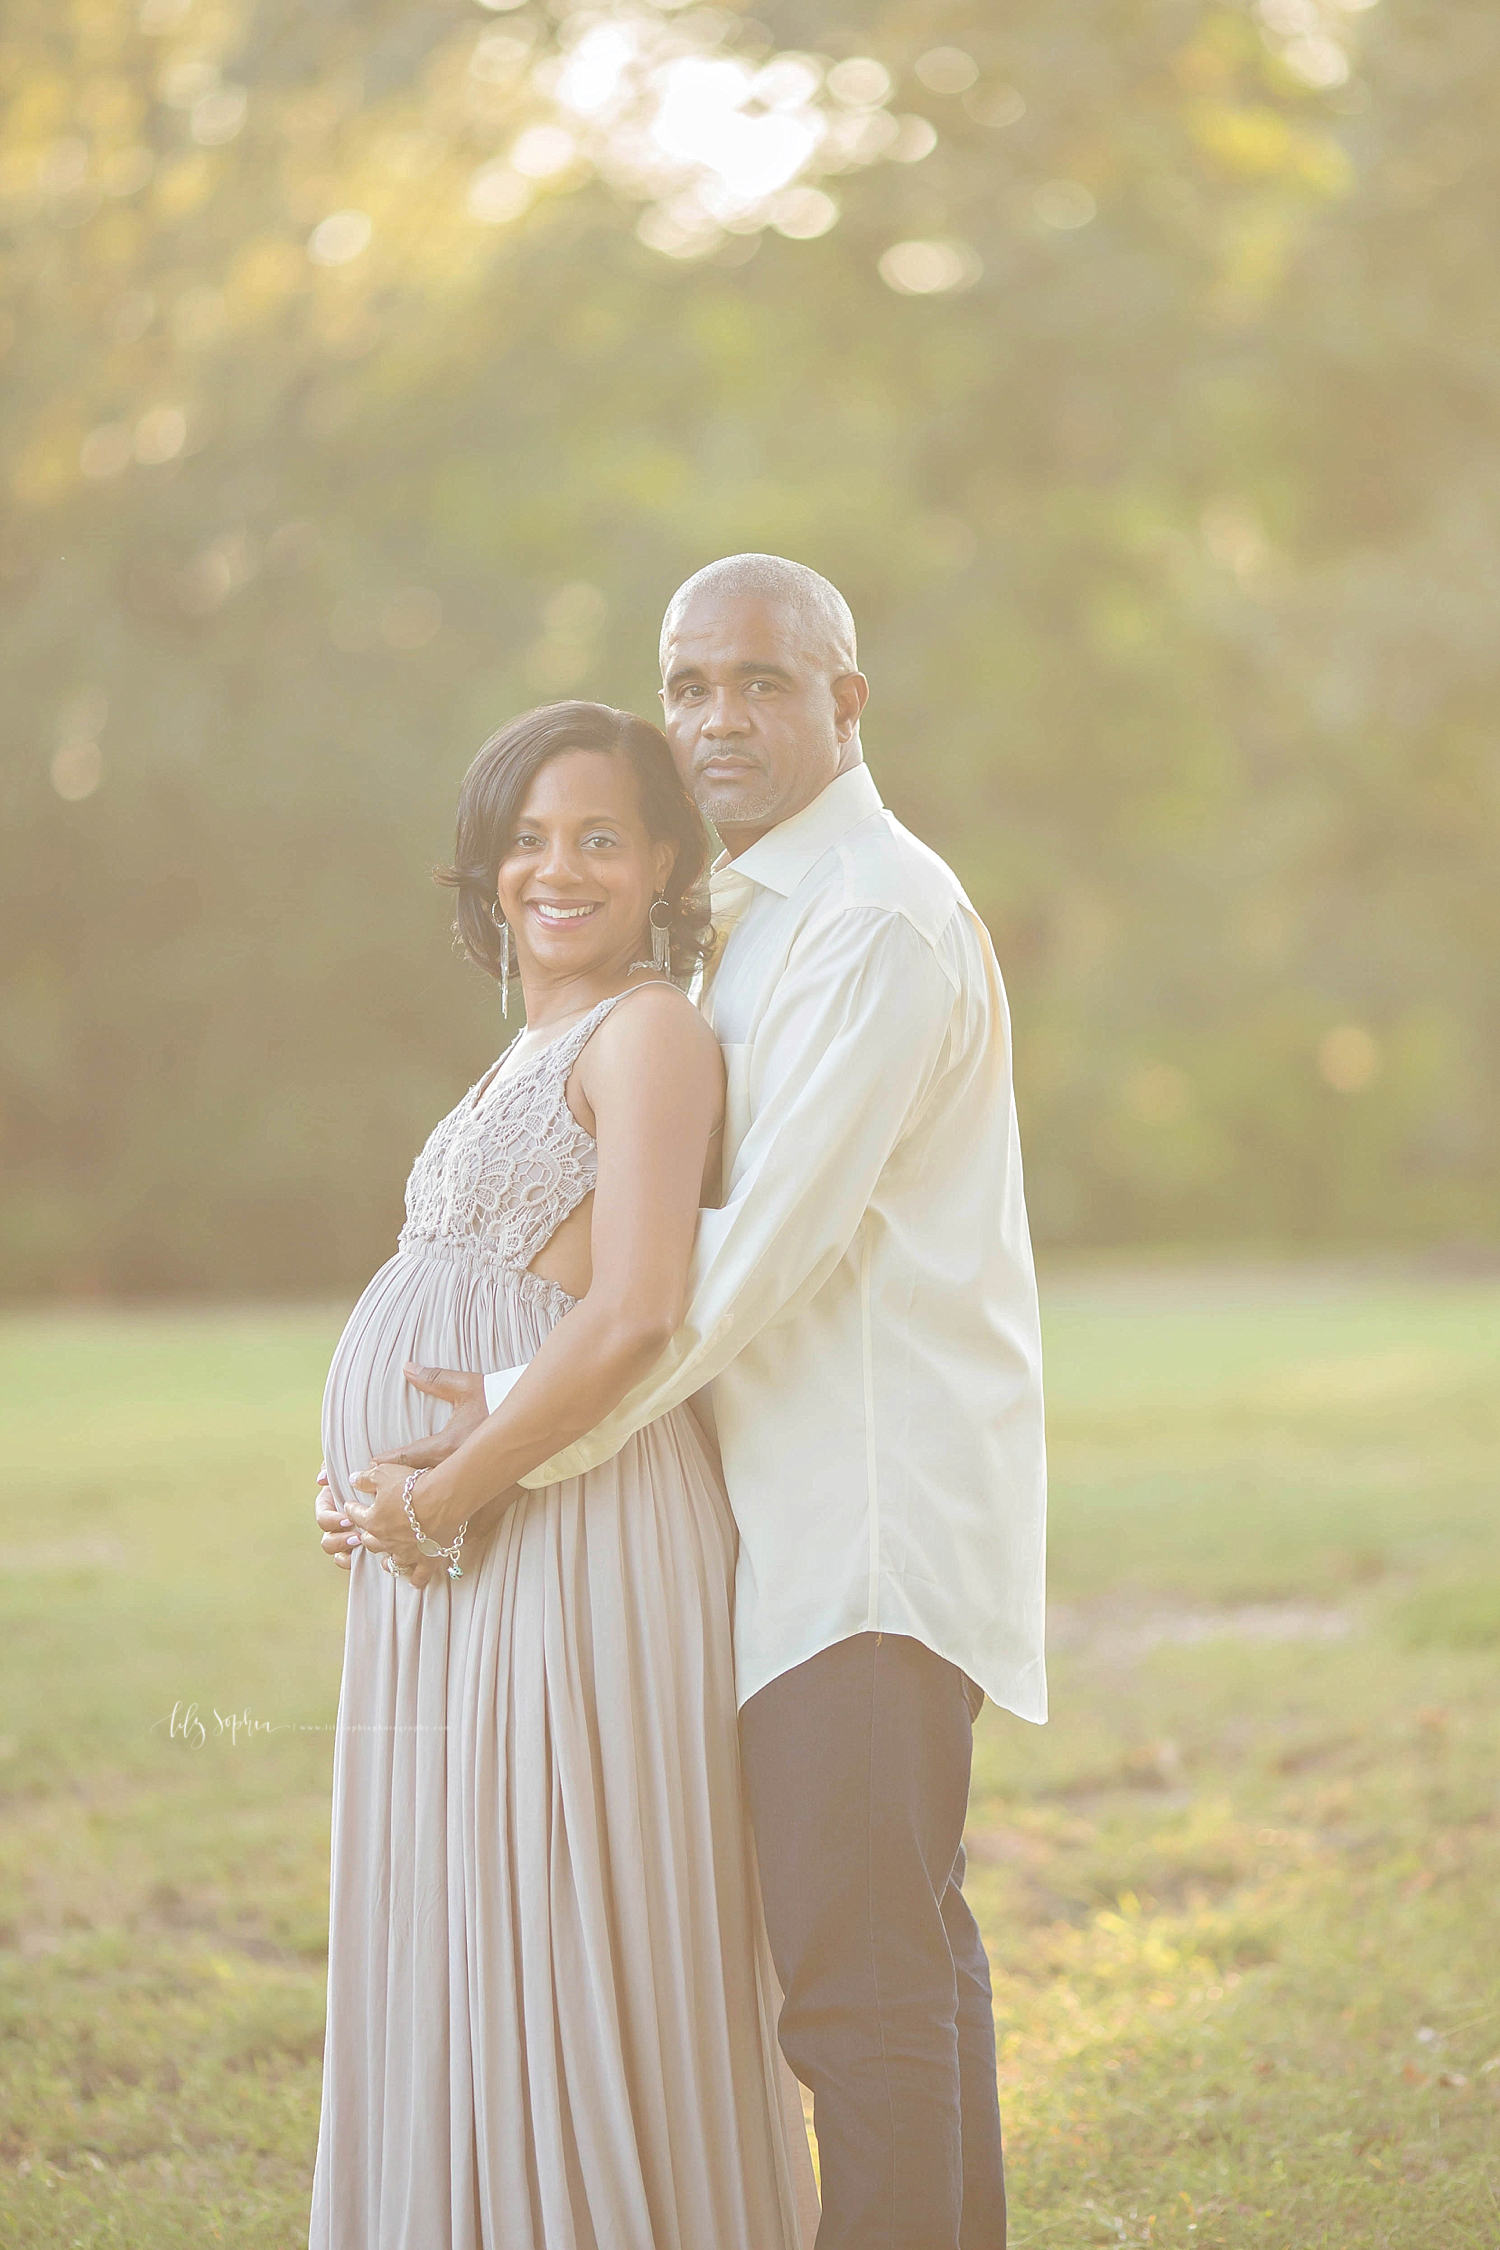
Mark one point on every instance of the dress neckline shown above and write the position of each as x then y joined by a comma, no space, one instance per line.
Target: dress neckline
496,1072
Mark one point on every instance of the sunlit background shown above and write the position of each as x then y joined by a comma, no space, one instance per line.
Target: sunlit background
372,372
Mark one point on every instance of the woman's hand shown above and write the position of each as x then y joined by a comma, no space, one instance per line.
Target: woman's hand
380,1520
380,1523
338,1535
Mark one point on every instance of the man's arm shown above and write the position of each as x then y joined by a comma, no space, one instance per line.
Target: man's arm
854,1037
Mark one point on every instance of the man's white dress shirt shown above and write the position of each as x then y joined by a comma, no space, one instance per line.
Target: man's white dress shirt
864,1303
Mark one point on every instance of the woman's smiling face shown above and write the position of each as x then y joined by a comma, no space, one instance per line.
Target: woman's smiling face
581,869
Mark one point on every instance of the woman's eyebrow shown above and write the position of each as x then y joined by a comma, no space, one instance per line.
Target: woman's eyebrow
584,820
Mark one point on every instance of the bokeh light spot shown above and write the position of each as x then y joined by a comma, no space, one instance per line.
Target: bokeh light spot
64,165
497,194
859,136
497,58
77,770
929,269
1348,1058
1318,62
1289,17
223,566
803,213
543,151
411,618
789,82
995,106
598,69
860,83
188,81
916,137
219,116
680,229
947,70
160,435
342,236
125,171
1064,204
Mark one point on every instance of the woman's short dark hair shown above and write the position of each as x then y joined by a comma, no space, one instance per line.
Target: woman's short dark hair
494,791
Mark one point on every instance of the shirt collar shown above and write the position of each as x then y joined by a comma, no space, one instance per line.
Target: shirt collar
786,853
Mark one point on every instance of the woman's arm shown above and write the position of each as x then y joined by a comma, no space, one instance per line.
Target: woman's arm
653,1077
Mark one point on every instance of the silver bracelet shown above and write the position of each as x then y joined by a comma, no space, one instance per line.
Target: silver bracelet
428,1546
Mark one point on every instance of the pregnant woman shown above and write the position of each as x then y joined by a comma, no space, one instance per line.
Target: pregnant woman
551,2009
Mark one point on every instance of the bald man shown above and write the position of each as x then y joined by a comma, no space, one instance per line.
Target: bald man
863,1312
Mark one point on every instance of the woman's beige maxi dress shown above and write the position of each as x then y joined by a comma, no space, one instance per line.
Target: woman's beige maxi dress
551,2007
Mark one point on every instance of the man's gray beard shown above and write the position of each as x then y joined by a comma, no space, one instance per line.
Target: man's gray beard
736,808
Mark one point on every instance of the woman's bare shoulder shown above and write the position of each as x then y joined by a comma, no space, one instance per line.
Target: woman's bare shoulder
660,1023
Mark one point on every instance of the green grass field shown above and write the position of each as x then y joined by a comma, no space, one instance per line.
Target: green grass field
1240,1895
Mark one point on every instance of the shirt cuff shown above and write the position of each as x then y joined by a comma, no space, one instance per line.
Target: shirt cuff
500,1385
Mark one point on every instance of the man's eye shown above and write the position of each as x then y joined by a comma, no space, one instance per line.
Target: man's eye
599,837
761,687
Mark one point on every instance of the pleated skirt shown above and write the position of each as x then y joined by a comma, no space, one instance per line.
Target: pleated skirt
551,2006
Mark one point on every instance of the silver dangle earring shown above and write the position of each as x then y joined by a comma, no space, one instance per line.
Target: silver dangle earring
660,918
506,963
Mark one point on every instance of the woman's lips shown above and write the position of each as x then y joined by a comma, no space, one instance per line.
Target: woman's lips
558,915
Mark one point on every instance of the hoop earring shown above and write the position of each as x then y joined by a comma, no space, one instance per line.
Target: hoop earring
661,934
506,963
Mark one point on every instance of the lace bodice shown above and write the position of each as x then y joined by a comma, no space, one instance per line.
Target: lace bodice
504,1169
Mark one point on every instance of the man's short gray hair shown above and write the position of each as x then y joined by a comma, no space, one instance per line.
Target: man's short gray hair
820,609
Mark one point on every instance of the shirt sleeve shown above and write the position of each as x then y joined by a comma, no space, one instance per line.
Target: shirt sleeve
856,1034
498,1387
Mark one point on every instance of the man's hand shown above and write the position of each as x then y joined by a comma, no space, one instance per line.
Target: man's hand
464,1393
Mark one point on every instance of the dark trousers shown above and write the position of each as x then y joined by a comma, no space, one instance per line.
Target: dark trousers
857,1769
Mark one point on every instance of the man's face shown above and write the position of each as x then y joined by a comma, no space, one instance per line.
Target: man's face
759,721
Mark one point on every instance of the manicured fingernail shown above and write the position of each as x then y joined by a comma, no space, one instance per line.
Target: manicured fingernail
352,1540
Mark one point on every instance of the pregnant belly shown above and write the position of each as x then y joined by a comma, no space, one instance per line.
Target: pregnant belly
439,1311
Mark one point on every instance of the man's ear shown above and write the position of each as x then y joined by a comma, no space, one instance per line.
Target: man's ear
851,692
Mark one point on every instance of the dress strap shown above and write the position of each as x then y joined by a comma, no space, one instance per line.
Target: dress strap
564,1053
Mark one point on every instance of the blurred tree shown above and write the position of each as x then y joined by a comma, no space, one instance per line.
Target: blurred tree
373,372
